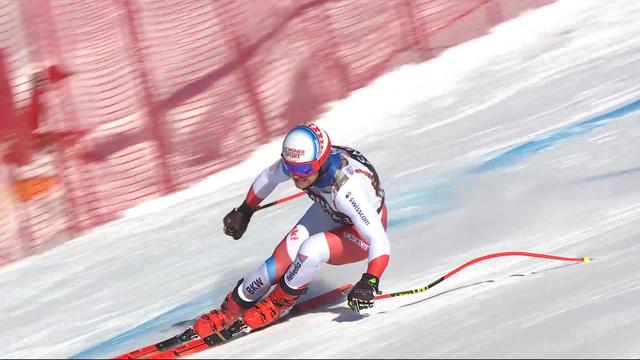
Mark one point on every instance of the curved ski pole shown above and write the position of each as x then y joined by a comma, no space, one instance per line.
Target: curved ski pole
280,201
471,262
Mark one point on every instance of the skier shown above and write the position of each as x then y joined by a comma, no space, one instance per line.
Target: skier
346,224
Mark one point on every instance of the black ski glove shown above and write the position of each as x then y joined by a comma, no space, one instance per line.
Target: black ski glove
362,294
237,220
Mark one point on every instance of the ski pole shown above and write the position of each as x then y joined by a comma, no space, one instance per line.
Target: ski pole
471,262
280,201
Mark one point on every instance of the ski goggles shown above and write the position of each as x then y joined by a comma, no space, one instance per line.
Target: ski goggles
302,169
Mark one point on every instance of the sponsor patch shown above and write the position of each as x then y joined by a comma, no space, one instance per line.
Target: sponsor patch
356,207
254,286
292,154
354,239
293,235
292,273
349,170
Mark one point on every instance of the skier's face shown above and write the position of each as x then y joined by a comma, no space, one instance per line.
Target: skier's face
303,182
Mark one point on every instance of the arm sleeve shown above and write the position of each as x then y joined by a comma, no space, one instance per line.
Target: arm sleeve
266,182
352,201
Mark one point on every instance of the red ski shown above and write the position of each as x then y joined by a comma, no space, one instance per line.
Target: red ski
189,343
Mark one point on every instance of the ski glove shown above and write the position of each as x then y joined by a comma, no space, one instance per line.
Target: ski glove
237,220
363,292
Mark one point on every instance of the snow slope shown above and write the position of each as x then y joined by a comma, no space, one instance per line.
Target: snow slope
527,139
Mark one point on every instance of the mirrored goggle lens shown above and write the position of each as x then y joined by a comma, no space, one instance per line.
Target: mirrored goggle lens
304,169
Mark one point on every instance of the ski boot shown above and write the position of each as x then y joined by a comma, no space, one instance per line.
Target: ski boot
217,320
273,307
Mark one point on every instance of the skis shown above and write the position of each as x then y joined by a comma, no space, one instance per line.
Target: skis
189,343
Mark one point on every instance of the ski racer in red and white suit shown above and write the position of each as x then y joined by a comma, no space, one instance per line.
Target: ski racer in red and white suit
346,224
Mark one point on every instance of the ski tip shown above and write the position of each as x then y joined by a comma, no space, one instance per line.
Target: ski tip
586,259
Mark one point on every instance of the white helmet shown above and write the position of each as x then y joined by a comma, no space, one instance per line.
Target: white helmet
305,149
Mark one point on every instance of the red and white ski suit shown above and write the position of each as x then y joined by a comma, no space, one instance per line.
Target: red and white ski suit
346,224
